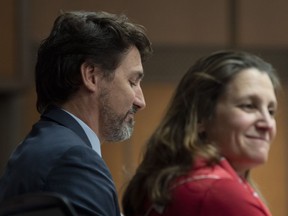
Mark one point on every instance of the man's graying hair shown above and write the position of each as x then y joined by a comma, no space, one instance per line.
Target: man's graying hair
98,38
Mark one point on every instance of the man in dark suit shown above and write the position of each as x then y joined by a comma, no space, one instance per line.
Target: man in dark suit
88,76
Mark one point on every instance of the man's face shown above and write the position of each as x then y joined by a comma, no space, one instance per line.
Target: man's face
121,98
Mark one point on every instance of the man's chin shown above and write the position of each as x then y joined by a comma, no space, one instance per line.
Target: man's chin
127,131
124,134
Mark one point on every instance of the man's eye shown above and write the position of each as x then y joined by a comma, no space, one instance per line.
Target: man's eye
132,83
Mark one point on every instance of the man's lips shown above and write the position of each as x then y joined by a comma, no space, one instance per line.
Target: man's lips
129,117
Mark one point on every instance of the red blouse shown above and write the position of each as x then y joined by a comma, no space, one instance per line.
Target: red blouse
212,191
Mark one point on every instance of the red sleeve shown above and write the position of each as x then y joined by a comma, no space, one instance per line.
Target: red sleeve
223,197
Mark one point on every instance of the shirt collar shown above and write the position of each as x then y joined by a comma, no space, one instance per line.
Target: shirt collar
95,143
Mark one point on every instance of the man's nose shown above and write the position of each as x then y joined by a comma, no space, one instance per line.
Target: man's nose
139,99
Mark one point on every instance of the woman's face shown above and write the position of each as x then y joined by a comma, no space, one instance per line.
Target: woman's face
243,125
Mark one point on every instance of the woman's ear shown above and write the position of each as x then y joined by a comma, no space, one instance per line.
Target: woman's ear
201,127
90,76
201,131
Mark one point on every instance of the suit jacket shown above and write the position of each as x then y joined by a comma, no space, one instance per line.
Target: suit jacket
211,191
57,156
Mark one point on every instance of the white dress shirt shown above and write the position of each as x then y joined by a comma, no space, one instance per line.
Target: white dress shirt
96,146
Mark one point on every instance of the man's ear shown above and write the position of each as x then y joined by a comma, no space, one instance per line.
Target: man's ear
90,76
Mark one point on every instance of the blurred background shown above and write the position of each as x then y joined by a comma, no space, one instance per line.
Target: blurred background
181,32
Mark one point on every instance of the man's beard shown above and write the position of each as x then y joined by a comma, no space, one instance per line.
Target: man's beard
115,127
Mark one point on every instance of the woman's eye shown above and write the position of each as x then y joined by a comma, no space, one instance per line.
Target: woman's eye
247,106
272,112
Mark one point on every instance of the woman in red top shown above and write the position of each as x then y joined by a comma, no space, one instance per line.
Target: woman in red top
219,126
